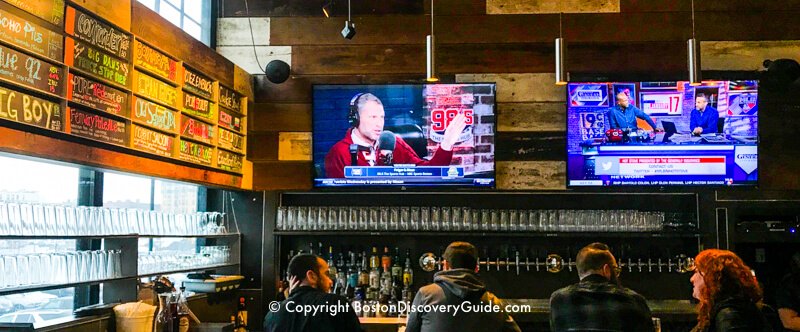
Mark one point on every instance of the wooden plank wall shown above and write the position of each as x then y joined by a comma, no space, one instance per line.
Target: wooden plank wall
507,41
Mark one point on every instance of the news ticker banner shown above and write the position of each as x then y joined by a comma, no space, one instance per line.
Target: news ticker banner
400,172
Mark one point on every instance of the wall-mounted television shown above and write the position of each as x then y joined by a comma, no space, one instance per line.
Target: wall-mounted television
662,133
404,135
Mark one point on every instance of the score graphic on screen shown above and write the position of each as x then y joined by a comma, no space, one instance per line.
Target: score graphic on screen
703,136
404,135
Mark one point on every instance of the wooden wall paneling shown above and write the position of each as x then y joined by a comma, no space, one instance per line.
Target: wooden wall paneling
548,7
235,31
527,117
280,117
233,8
531,146
152,28
745,55
521,87
531,175
81,152
294,146
456,7
711,6
263,146
117,12
281,175
297,89
373,30
243,83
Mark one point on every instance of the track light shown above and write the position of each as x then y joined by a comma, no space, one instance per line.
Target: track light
349,27
561,57
430,48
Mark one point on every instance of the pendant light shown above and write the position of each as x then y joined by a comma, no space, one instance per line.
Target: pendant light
695,73
430,51
561,53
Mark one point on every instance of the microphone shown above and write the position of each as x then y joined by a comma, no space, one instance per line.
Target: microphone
386,144
353,154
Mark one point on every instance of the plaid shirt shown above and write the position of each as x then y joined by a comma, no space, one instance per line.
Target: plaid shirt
595,304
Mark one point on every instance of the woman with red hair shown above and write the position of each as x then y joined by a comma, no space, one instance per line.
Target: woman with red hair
729,295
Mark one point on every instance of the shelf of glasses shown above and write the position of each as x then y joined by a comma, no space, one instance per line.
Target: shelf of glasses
498,234
118,236
33,288
191,269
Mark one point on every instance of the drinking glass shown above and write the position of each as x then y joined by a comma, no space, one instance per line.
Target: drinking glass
456,218
656,324
11,272
291,218
513,220
53,227
446,219
342,216
523,220
84,265
394,218
436,218
475,221
494,221
302,218
59,273
313,214
280,218
26,218
363,218
383,223
3,272
72,266
34,271
415,218
15,219
324,220
405,218
486,220
469,218
374,218
5,222
23,270
353,218
425,218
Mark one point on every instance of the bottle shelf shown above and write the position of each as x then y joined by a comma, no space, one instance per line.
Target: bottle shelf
33,288
495,234
118,236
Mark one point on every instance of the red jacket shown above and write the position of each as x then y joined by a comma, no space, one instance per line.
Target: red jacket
339,157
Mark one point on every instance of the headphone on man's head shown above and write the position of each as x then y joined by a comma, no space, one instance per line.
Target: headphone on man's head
353,116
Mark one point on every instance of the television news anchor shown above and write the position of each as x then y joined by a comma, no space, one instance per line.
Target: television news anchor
623,115
703,119
366,143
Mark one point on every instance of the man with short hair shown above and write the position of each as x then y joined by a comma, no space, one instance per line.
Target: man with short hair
623,115
311,284
456,284
703,119
598,302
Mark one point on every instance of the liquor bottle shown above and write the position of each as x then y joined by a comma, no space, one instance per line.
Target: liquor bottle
332,272
386,282
341,276
386,260
408,273
241,317
363,275
352,277
374,260
374,272
397,269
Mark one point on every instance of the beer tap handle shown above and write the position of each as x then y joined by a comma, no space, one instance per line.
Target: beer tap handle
537,264
569,264
516,260
497,264
669,265
630,266
659,265
649,265
639,264
527,264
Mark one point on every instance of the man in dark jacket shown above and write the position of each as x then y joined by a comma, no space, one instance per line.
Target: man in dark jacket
598,302
309,307
458,285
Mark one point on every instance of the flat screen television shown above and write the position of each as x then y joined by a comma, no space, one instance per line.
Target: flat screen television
404,135
662,134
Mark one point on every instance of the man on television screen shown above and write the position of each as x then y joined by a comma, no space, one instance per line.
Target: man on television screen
704,118
623,115
367,144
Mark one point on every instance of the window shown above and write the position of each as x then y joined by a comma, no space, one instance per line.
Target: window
27,181
193,16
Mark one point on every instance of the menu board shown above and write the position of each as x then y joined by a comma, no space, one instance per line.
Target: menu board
152,141
230,141
229,161
198,107
96,62
97,127
230,120
154,115
23,108
198,84
49,10
28,71
96,95
100,34
155,62
155,89
230,99
197,130
195,152
30,36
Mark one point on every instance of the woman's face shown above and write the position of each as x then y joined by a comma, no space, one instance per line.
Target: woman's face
698,283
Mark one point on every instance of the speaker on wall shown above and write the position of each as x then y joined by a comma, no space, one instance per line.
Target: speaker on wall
277,71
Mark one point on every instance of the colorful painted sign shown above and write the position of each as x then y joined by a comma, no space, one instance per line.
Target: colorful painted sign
23,108
198,84
230,120
230,141
98,33
97,127
49,10
96,62
31,36
96,95
196,130
229,161
152,141
154,115
230,99
155,89
198,107
195,152
20,68
155,62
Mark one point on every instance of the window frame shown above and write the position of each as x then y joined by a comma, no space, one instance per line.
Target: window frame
205,23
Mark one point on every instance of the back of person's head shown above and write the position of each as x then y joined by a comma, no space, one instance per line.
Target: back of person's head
592,258
724,275
461,255
301,264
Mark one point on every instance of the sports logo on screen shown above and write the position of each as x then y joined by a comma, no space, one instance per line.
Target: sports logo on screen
743,104
662,103
747,157
588,95
441,118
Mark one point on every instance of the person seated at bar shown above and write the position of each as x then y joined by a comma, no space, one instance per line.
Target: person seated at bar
598,302
623,115
309,286
730,298
456,284
787,296
703,119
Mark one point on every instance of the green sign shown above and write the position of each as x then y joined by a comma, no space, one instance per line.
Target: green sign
96,62
195,152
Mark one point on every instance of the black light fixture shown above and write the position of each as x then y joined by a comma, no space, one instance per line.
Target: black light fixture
695,71
561,56
349,27
430,48
326,8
